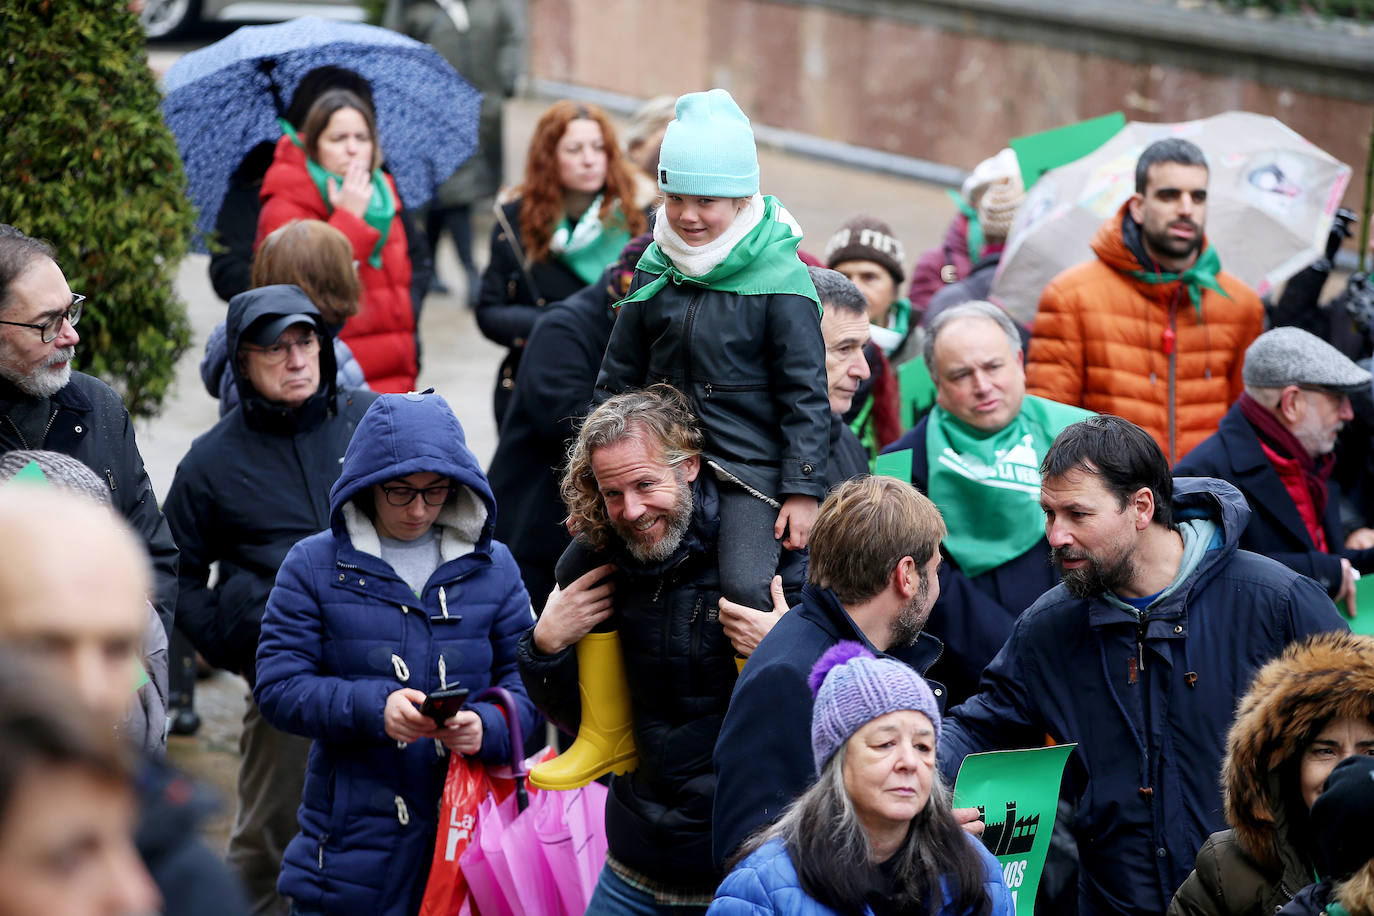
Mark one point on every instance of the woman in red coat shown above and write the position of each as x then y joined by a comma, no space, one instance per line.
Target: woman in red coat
332,172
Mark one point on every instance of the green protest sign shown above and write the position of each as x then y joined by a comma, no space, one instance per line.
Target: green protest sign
896,464
1363,621
1038,153
1018,793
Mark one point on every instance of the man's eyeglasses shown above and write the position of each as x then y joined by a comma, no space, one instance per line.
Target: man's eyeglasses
277,353
404,496
49,329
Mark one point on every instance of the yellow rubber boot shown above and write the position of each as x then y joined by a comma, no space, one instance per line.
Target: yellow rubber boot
605,739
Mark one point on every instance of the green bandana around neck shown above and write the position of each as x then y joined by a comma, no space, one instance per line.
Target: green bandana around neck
973,234
590,246
899,316
762,263
1202,275
381,209
987,486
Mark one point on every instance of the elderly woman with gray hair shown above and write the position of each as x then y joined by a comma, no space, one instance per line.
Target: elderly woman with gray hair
874,834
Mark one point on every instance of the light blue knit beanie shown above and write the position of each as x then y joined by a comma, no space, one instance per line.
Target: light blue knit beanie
709,150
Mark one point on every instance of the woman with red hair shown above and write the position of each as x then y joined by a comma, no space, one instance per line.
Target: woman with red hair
572,216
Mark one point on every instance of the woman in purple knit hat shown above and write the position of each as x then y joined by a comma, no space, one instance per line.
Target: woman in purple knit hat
874,834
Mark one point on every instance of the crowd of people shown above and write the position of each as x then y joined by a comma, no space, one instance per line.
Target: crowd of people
1119,527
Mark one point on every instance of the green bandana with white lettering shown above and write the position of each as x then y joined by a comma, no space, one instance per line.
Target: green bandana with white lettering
987,486
762,263
381,208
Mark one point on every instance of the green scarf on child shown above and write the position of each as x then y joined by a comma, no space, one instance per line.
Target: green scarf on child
1202,275
764,262
381,209
987,485
590,246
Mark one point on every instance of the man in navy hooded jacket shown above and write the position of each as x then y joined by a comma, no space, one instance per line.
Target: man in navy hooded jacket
1138,656
247,490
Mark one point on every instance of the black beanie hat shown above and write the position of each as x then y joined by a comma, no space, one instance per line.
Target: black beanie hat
1341,816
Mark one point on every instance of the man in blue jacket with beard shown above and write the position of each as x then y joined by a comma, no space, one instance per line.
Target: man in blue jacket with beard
1139,656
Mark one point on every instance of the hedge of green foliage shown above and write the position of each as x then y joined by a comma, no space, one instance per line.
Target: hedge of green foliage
1362,10
87,164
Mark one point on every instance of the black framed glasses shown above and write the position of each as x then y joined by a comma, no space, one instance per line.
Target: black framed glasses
276,354
404,496
49,329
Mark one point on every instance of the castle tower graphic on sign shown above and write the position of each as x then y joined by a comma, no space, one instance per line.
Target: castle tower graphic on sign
1013,836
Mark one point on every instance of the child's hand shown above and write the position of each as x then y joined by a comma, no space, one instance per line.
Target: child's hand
796,518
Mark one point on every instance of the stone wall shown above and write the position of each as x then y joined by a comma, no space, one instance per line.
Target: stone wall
950,81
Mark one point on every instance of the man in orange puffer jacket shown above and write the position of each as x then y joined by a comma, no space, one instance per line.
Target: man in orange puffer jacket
1152,330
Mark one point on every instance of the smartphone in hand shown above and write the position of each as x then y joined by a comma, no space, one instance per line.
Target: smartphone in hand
442,705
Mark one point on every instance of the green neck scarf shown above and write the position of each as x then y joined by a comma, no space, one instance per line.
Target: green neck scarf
381,209
762,263
1202,275
590,246
987,486
899,316
973,235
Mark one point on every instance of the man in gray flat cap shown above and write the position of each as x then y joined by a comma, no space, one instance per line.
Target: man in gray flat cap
1275,444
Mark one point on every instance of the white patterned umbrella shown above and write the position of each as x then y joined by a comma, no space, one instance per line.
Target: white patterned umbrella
1271,197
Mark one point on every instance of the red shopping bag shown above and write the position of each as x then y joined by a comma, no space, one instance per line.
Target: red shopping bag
464,789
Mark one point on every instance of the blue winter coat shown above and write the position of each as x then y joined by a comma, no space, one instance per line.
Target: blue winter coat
1150,736
342,631
767,882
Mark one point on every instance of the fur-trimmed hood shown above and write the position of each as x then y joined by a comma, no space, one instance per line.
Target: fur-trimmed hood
1328,676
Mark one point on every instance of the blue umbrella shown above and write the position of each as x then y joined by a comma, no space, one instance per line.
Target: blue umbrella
223,100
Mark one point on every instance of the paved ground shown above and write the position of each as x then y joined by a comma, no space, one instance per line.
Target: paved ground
461,364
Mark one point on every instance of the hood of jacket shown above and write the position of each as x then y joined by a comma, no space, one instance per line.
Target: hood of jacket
405,434
1292,697
247,308
1118,244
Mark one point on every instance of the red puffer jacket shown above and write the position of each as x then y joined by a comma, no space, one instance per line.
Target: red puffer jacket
382,334
1102,340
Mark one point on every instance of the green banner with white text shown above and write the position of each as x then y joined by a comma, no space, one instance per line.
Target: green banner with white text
1018,793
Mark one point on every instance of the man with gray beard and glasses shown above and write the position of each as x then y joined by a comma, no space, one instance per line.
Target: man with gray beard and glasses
645,512
1138,656
46,405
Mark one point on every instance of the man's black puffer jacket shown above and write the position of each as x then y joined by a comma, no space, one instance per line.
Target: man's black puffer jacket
681,671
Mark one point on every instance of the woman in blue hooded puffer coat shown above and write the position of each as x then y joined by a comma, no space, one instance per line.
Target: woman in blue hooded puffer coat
407,593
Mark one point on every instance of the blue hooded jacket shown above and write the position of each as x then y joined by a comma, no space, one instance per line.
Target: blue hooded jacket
343,631
1148,696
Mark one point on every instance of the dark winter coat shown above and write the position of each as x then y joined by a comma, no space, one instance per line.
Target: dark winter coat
1148,752
87,421
681,669
1276,530
753,369
557,380
763,757
487,55
342,632
974,614
767,883
1256,866
848,457
513,295
253,486
192,879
